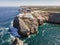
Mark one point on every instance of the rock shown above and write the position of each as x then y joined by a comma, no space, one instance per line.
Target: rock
41,19
51,17
45,15
26,25
54,18
17,41
25,31
21,26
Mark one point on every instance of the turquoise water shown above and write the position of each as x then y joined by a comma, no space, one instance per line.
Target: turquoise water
49,34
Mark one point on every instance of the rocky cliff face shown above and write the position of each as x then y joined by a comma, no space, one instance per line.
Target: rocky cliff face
27,26
54,18
51,17
41,16
17,41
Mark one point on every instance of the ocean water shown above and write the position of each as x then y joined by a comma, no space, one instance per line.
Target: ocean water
49,34
7,15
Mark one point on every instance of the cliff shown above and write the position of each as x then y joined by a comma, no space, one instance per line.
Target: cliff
54,18
28,23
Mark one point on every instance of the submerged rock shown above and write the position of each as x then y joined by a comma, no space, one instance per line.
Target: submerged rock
28,23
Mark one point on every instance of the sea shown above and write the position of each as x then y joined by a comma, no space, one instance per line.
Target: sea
48,34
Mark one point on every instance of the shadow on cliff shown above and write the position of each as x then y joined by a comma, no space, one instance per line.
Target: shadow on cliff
54,18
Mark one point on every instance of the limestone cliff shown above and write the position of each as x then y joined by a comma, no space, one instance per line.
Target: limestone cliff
54,18
28,23
25,25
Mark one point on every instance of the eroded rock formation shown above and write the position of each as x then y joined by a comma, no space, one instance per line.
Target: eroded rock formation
29,25
25,25
41,16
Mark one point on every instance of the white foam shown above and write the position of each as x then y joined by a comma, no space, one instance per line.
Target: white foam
11,23
44,23
3,28
25,43
43,32
3,31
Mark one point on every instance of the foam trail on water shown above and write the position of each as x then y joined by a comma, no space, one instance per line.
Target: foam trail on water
4,36
4,32
11,23
3,28
43,32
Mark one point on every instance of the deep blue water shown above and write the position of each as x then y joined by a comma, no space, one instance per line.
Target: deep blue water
49,34
7,14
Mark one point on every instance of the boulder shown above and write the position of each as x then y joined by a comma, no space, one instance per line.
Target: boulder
17,41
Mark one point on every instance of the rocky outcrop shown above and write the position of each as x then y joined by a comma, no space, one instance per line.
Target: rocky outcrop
41,16
25,26
17,41
28,23
20,25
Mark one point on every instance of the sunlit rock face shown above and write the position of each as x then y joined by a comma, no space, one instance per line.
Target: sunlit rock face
17,41
28,23
41,16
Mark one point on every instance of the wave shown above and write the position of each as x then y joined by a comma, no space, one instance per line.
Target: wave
3,28
11,23
5,36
